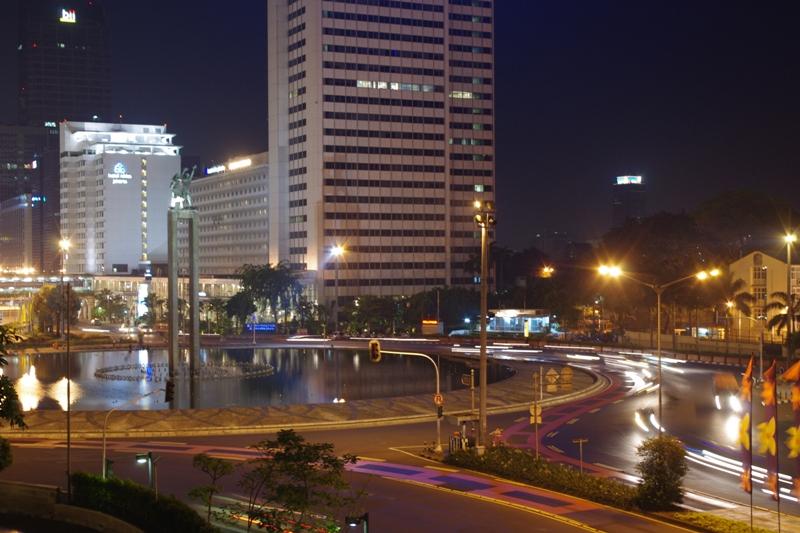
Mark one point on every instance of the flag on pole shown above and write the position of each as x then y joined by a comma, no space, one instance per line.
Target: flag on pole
792,374
767,434
746,427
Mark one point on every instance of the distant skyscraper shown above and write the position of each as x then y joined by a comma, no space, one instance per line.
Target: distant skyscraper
381,133
629,199
63,62
115,193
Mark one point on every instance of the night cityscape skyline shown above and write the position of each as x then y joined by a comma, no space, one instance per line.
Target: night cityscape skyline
696,98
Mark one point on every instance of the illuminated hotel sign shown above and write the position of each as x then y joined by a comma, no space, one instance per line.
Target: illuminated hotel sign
68,16
629,180
215,169
119,174
242,163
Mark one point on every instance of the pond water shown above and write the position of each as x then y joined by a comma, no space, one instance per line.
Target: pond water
297,376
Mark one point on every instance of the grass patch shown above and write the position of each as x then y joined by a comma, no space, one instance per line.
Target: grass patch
712,523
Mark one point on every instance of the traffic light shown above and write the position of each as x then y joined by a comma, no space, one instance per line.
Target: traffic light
375,351
169,391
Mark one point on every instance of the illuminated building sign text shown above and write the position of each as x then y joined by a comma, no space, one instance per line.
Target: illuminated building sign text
68,16
119,174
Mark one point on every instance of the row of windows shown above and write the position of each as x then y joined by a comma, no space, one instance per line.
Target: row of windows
299,155
388,69
298,76
298,203
463,141
383,36
383,150
383,200
470,49
467,110
470,18
366,249
470,64
475,80
399,4
371,232
297,92
298,234
297,171
302,138
405,265
470,95
294,46
374,117
477,126
373,134
360,17
294,14
390,85
297,60
297,108
465,250
296,29
391,184
472,3
382,52
470,33
297,124
297,187
370,100
470,172
296,219
473,188
298,250
390,282
381,167
469,157
409,217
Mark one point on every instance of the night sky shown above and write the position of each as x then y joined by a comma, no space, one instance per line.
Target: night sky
698,97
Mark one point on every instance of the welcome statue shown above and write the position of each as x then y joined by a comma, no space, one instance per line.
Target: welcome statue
180,189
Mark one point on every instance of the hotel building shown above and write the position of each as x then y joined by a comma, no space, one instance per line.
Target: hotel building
381,134
115,192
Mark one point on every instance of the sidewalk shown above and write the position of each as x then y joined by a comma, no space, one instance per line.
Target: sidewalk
509,395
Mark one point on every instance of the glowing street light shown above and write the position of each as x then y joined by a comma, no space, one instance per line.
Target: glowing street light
547,271
789,239
613,271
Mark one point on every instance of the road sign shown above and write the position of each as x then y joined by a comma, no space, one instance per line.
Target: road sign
536,420
551,376
438,400
466,380
536,410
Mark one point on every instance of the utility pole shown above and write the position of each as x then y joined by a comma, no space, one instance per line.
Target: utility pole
580,443
485,219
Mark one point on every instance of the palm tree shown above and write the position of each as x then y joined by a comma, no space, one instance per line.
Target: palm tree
736,298
781,302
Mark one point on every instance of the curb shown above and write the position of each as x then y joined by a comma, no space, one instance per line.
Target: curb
600,384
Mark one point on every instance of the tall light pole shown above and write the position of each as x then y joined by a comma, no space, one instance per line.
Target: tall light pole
336,252
789,239
658,288
64,246
485,219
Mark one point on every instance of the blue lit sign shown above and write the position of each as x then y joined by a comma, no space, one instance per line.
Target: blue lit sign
119,174
263,327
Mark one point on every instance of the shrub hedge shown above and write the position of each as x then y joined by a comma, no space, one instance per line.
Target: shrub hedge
715,524
136,505
521,465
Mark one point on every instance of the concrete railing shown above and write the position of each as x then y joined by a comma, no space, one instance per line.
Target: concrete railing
43,502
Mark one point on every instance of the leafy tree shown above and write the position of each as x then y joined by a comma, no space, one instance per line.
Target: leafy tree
780,303
240,306
295,483
5,454
155,309
50,304
662,467
10,406
215,469
109,306
736,299
217,307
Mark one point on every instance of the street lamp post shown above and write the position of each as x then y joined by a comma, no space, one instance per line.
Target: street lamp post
152,474
658,289
485,218
105,424
789,238
336,252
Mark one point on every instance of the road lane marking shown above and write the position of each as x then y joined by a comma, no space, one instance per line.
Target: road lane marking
555,449
365,458
617,401
415,456
572,421
593,411
442,468
552,434
614,469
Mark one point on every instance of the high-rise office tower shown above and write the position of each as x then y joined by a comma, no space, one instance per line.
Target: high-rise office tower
628,201
381,133
63,61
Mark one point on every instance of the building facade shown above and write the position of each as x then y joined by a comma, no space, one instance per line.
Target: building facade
629,200
233,224
764,275
64,66
115,193
381,137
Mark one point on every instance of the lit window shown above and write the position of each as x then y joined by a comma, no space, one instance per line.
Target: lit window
478,188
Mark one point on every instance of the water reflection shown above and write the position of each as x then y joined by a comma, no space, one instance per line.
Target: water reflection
302,376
